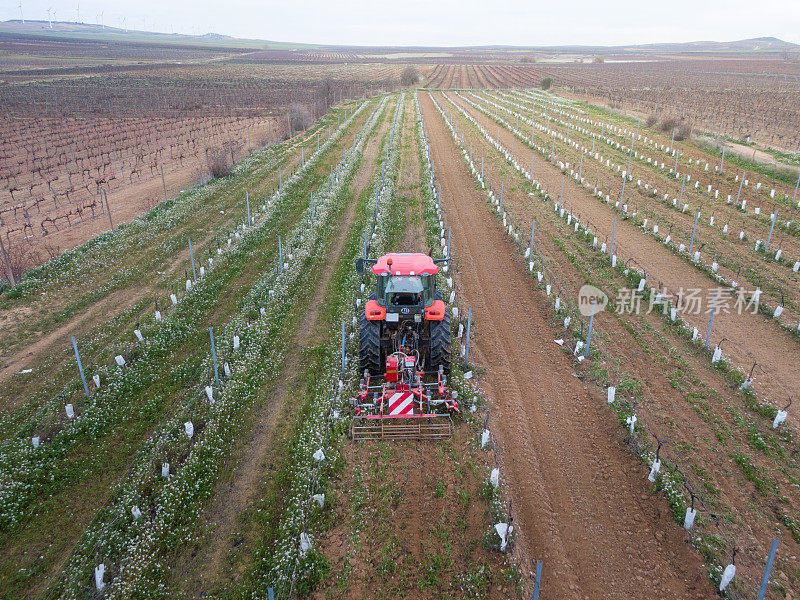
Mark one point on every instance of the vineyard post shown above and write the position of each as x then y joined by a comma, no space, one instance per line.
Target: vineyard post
694,229
6,263
449,232
343,350
683,184
500,208
191,255
108,208
247,199
672,142
613,231
677,153
774,218
466,349
580,170
163,183
214,356
741,183
768,569
722,162
795,192
711,318
533,229
532,154
797,185
589,335
280,178
80,366
280,255
537,581
312,206
630,154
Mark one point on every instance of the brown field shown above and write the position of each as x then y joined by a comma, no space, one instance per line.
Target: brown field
106,129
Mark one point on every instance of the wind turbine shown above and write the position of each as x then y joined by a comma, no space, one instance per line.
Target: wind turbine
50,16
21,16
102,22
79,12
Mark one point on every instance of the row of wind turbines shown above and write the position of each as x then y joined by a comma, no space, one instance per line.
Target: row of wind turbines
51,16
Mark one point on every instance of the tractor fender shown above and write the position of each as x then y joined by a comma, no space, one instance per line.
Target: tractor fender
374,311
435,312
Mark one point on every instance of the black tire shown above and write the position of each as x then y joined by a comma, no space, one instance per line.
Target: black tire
369,345
440,344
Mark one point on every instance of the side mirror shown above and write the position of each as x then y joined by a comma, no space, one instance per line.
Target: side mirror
359,265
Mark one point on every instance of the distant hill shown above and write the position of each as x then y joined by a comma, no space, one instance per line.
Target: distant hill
67,30
94,32
761,44
752,45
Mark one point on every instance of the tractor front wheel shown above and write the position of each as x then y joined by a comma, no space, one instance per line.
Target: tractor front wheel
369,345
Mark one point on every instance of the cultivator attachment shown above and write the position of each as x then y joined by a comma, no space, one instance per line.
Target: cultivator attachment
400,405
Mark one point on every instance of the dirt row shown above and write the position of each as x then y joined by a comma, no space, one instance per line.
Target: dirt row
726,249
110,455
222,529
409,516
677,381
748,338
580,503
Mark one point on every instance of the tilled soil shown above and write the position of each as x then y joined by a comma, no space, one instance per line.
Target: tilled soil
726,249
674,375
747,337
579,500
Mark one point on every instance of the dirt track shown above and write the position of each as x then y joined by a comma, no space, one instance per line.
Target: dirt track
749,338
580,499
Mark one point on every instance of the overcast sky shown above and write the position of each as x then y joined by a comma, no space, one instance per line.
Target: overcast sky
441,22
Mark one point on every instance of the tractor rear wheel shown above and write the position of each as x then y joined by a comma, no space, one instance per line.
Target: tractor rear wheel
440,344
369,345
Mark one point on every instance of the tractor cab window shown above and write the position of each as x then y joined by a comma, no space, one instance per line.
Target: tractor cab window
401,290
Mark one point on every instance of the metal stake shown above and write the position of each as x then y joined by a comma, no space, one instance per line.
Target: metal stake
191,255
589,335
691,244
214,356
768,569
80,366
774,218
466,351
711,319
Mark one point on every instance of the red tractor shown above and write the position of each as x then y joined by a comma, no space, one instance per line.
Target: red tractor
404,338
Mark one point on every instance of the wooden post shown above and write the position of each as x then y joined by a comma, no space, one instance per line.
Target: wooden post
6,263
164,183
108,208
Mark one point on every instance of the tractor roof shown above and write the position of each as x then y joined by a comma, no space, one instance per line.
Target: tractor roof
406,264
